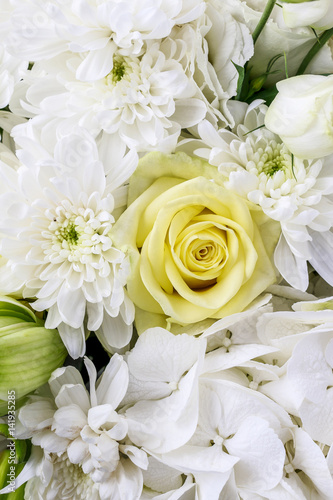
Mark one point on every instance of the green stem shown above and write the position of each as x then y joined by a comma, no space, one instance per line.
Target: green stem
320,42
263,20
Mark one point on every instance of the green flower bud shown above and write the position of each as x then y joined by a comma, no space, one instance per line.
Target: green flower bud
257,83
28,351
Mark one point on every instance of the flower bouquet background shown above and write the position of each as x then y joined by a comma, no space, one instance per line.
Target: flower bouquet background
166,307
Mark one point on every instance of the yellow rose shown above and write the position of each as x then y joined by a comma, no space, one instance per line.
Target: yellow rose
196,249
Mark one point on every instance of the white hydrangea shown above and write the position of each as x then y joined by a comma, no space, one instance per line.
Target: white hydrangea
238,443
160,425
163,386
161,482
305,342
56,214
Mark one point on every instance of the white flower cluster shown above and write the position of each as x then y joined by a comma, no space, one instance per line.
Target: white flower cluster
117,69
56,219
128,77
170,420
166,205
297,192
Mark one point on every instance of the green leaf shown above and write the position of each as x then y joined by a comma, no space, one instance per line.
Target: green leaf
241,76
19,493
268,95
21,450
4,468
319,43
4,431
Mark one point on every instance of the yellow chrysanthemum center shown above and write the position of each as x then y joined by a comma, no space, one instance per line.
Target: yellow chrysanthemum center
121,69
68,233
76,232
272,160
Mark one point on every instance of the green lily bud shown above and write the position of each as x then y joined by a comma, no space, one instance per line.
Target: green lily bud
28,351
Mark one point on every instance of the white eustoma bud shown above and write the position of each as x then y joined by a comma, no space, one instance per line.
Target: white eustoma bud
317,13
301,114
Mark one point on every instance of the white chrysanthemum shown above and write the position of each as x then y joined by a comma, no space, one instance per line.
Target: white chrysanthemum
86,451
146,96
141,100
56,215
295,192
95,28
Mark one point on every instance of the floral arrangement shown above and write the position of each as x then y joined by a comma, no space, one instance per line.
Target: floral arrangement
166,277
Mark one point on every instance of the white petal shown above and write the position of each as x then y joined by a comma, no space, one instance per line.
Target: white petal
308,369
97,64
159,355
77,451
137,456
74,340
29,470
193,459
261,455
321,251
169,423
189,112
72,306
62,376
127,478
73,394
99,415
90,367
317,418
114,333
68,421
37,415
112,385
310,459
50,442
293,269
219,359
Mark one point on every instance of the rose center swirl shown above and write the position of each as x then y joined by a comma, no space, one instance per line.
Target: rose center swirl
201,252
